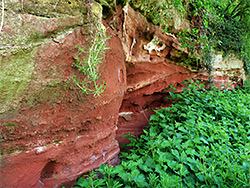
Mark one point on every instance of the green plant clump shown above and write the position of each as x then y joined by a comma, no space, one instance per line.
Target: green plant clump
89,66
218,25
202,140
214,25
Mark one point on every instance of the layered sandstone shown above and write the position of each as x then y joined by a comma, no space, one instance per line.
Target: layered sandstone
50,133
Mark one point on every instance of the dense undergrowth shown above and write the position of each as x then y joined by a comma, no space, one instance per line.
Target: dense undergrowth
202,140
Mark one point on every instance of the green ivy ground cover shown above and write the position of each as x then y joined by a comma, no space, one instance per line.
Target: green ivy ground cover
203,140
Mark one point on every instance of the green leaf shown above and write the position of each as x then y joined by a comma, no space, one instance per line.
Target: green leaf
183,170
196,140
173,164
158,168
182,129
187,144
166,144
177,141
81,182
169,156
135,172
140,181
150,162
191,152
200,177
125,176
154,118
204,140
175,153
118,169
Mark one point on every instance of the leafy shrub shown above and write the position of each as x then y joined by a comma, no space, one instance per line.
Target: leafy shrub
229,28
202,140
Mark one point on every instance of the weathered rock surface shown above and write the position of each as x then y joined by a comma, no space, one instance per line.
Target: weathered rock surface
50,134
153,62
55,133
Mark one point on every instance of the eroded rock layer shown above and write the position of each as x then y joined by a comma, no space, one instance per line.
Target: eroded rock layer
153,62
55,133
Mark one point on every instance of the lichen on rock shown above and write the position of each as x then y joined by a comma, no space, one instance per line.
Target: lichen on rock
154,44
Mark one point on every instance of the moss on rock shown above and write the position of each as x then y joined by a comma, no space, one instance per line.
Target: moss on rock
48,8
11,124
15,71
38,21
165,13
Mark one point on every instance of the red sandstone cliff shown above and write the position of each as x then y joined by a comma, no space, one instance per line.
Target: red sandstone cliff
50,134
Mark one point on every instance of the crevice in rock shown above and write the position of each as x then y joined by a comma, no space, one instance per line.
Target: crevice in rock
135,112
49,170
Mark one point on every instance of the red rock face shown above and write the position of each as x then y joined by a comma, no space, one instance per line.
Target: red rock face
59,138
149,72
